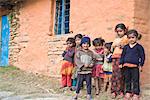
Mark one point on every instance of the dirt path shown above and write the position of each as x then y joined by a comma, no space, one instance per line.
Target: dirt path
18,85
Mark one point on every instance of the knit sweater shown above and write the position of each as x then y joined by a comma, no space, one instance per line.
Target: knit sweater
99,55
84,58
107,66
134,55
117,45
69,55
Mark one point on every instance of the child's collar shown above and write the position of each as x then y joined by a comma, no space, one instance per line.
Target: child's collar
132,45
85,50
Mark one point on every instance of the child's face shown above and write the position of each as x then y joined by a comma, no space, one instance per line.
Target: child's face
132,39
98,47
85,46
78,41
106,50
69,44
120,32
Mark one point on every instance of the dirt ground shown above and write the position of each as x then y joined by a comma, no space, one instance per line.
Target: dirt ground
23,83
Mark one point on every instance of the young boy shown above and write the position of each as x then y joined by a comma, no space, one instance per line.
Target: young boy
84,61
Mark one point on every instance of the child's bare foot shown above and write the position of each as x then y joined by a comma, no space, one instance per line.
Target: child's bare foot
75,97
89,97
127,96
135,97
97,92
113,95
73,88
120,95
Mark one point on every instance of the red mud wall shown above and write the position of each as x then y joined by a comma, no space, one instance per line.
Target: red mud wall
142,24
41,53
34,29
99,17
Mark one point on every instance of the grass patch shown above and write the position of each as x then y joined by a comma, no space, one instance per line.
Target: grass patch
7,68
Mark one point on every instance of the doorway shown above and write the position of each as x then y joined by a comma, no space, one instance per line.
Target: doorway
4,41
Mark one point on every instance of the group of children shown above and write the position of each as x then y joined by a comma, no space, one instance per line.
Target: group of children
114,66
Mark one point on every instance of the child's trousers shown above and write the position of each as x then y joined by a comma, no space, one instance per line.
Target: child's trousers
66,80
132,78
74,82
80,79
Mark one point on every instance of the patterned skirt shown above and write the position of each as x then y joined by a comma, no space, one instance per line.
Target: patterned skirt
98,71
117,78
66,68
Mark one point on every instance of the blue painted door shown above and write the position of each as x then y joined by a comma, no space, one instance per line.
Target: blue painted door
5,32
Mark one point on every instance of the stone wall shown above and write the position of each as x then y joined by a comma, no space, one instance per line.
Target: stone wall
142,23
56,47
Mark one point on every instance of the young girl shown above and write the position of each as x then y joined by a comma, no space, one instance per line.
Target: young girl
77,38
117,88
67,66
107,66
84,61
97,72
132,59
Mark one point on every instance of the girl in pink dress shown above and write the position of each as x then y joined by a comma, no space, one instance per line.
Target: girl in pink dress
97,72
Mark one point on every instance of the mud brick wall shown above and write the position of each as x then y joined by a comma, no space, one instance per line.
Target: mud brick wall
35,48
99,17
29,48
57,45
142,23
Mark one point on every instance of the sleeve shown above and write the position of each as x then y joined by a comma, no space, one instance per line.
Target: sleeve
113,47
63,54
142,56
110,58
93,59
71,53
78,61
122,55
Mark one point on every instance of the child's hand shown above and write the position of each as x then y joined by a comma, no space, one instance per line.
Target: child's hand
120,66
107,60
91,65
86,65
140,68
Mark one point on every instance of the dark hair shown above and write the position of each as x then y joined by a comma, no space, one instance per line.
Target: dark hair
78,36
122,26
98,42
108,45
71,40
135,33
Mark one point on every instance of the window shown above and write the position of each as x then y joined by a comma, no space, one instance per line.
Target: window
62,17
